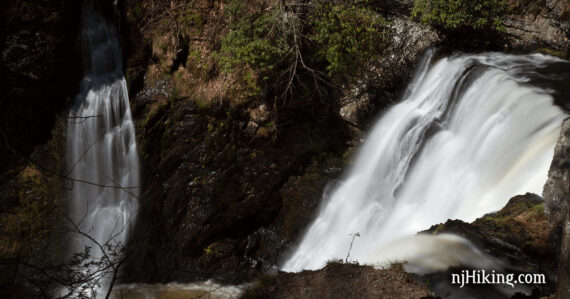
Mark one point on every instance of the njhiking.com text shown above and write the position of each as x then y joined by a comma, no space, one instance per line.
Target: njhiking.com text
483,277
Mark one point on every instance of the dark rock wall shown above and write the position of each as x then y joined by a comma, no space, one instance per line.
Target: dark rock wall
40,72
229,188
220,202
564,273
555,192
40,67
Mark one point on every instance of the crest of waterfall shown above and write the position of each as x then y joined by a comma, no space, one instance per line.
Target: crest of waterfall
471,132
102,153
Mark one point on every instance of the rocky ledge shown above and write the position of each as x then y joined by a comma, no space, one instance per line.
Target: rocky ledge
338,280
540,25
519,236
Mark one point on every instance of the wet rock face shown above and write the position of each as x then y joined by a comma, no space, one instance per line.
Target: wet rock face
543,23
40,68
556,189
385,80
219,202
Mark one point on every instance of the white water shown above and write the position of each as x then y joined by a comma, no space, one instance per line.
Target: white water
206,289
101,147
456,147
436,253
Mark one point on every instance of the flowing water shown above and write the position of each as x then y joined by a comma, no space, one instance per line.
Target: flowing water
206,289
102,151
471,132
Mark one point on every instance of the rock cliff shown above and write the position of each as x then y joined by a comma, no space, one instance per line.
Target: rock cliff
229,185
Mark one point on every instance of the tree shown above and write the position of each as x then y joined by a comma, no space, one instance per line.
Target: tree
460,14
301,47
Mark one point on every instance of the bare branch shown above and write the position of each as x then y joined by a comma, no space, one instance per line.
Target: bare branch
83,119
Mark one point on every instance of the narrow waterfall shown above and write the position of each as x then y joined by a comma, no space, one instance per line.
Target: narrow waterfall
101,147
471,132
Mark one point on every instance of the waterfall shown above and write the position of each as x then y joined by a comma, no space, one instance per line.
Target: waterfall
102,153
471,132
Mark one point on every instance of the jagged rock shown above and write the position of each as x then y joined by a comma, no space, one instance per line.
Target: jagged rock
540,24
260,114
221,201
358,105
251,128
556,197
383,83
520,234
564,273
338,280
556,189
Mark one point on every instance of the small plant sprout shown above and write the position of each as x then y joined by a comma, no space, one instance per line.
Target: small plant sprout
351,242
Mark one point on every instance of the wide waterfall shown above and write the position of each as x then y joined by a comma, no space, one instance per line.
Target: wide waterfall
101,148
471,132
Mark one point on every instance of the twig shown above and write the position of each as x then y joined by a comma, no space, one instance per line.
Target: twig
350,248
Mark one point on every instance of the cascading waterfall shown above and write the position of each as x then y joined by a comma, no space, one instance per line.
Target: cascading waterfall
471,132
101,147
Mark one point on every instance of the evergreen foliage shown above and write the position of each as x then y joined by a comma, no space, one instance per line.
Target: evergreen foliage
458,14
298,47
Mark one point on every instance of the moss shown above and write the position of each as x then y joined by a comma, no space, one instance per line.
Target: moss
515,207
439,228
208,249
155,113
333,262
397,265
499,221
538,210
201,102
427,283
166,140
28,228
196,56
